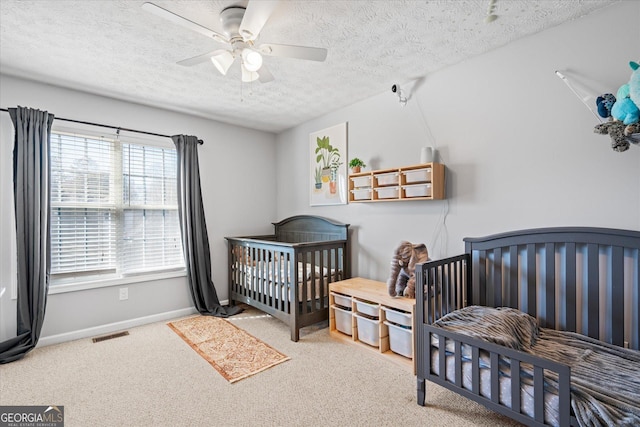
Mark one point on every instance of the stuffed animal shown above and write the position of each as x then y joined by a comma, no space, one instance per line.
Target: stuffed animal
402,280
615,129
604,104
624,109
627,105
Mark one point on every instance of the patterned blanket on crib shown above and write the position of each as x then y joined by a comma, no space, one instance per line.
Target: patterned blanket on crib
605,379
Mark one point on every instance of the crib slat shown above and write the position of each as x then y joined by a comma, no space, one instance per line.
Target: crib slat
593,285
437,303
273,278
495,378
255,255
497,277
515,385
550,286
617,295
442,357
564,395
538,393
446,294
570,294
481,298
455,287
475,370
458,363
513,276
531,280
300,282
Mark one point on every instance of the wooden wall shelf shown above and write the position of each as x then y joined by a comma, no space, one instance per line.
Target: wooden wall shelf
417,182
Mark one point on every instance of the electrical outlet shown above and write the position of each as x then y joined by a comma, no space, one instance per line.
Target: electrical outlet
124,294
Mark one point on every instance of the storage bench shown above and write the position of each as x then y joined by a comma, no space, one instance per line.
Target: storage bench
377,321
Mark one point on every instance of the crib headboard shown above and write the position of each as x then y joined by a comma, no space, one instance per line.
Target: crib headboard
577,279
309,228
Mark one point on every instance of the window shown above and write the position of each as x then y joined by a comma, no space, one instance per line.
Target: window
113,208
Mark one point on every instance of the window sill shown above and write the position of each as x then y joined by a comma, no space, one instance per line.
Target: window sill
86,284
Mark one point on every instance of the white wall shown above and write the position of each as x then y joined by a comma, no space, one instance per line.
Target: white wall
237,176
518,145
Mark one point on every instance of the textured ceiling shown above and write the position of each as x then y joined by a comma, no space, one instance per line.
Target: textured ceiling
116,48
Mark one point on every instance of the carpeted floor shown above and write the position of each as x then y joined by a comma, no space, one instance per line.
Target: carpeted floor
150,378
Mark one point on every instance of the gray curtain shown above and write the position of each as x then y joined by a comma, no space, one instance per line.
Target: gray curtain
193,227
32,193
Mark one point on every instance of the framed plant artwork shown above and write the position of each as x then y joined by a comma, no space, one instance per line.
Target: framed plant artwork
328,169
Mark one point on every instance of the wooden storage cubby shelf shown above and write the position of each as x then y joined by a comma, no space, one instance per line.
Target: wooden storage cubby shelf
417,182
371,291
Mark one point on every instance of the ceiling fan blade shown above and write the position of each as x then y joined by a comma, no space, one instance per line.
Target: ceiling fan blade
255,17
298,52
264,75
177,19
202,58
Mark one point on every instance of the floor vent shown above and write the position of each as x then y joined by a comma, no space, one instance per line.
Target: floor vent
112,336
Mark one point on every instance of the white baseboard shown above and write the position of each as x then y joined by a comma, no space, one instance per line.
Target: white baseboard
117,326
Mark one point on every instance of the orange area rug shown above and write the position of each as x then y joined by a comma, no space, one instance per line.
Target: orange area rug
233,352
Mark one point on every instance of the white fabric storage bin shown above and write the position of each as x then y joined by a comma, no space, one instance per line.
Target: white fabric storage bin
417,190
368,330
398,317
387,178
343,319
343,301
361,181
399,339
387,192
368,308
417,175
361,194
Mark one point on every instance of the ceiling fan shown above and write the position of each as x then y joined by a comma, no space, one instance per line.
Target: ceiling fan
241,28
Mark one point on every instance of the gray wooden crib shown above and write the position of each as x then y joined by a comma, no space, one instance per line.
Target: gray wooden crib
580,280
306,250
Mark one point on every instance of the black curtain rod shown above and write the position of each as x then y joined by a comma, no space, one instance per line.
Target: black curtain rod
111,127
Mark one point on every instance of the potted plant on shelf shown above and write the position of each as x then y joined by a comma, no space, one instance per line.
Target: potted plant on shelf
356,165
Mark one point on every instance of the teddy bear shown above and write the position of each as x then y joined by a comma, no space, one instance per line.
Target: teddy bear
402,280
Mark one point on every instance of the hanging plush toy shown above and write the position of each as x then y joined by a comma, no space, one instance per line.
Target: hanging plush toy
626,108
402,280
624,124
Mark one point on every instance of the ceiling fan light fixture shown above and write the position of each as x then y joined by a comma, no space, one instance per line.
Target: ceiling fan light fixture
251,59
223,61
248,75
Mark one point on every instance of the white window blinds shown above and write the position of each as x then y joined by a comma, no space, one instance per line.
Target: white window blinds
151,232
83,206
113,207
